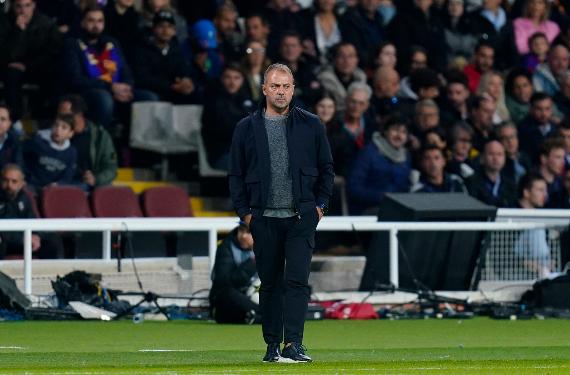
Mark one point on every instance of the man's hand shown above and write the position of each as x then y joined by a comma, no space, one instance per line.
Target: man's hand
320,212
36,242
183,86
18,66
247,219
89,178
122,92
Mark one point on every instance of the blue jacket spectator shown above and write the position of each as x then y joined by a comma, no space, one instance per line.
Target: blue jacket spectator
10,147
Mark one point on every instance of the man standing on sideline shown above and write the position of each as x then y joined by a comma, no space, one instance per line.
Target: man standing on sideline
281,179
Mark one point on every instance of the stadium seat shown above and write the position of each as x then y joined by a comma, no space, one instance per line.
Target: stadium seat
115,201
34,200
121,201
166,201
64,202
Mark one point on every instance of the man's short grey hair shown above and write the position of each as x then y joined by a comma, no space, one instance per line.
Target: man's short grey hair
425,103
359,86
281,67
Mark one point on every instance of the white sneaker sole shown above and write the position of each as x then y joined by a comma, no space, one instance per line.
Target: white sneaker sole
283,360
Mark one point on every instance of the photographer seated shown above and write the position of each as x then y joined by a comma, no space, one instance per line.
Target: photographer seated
234,271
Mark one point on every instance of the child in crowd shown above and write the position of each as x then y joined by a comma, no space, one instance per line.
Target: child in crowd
538,46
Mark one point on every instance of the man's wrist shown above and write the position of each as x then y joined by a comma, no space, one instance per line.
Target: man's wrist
323,207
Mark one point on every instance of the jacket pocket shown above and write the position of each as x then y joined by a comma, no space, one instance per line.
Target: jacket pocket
309,177
253,187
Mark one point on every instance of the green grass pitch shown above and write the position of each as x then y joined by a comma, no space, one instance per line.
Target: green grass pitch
477,346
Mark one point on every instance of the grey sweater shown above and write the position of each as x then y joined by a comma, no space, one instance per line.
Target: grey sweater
280,200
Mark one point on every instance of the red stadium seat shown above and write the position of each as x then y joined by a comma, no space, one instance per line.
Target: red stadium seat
166,201
65,202
34,200
115,201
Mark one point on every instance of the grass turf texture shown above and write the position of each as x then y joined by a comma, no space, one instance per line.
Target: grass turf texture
477,346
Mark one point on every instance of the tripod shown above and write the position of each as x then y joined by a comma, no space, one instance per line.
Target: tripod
145,297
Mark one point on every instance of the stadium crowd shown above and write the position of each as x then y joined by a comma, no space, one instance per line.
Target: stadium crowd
416,95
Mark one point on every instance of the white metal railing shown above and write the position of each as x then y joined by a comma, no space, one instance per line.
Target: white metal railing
215,225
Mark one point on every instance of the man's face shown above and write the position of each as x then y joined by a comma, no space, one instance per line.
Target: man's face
387,85
370,5
419,61
510,140
12,182
484,59
346,60
397,136
483,116
94,23
522,89
65,108
24,8
462,145
427,118
554,161
356,104
245,239
457,94
538,194
164,32
558,60
433,163
256,30
291,49
541,111
226,22
493,157
232,80
278,90
126,3
5,121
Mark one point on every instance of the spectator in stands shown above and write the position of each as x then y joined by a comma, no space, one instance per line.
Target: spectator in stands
356,119
234,269
162,68
122,22
15,204
424,84
362,27
383,166
254,64
563,133
385,99
325,109
320,30
385,56
532,246
10,147
433,178
551,167
66,14
538,51
519,90
49,157
281,18
459,38
226,104
96,156
491,85
461,138
546,76
291,54
151,7
483,60
455,108
95,67
426,119
342,73
537,125
207,62
418,25
257,29
489,184
230,40
562,200
30,44
482,110
562,97
534,19
517,163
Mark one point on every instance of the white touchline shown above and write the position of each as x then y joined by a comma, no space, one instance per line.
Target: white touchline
166,350
12,347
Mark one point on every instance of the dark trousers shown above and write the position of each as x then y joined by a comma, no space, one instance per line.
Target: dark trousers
231,306
283,250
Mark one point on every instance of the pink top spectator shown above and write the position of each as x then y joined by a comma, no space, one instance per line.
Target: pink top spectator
524,28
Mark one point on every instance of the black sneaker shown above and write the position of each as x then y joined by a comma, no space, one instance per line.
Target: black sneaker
273,353
296,352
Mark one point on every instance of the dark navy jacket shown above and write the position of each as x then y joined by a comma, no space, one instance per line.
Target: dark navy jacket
310,162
